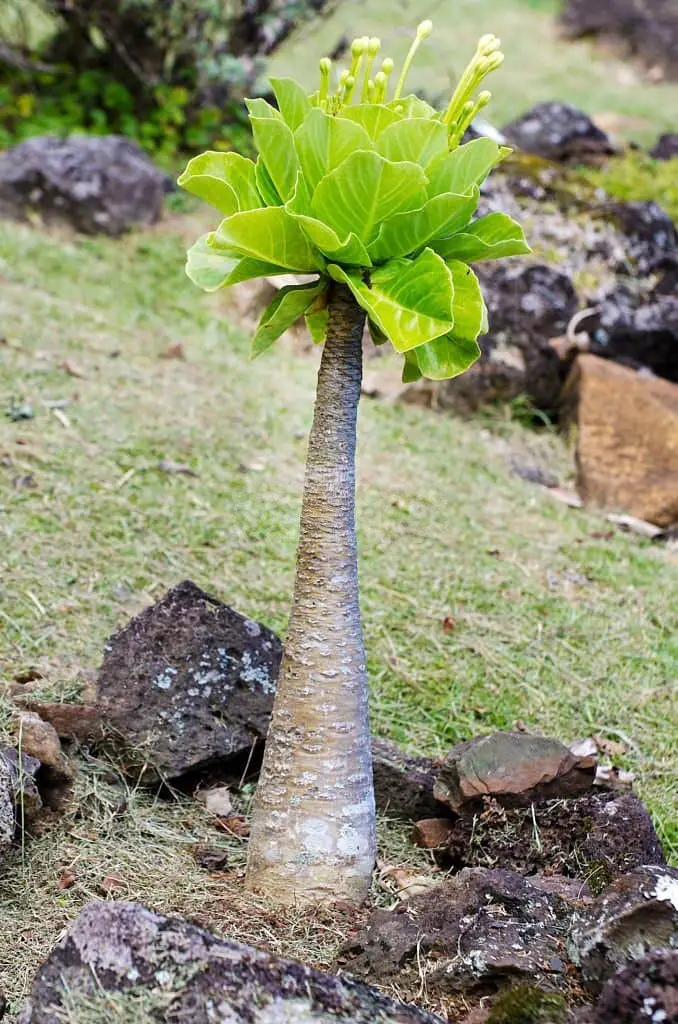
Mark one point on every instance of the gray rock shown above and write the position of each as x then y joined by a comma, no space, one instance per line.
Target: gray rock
515,768
637,333
645,28
175,971
635,915
666,147
7,821
645,992
25,792
528,304
186,683
558,131
650,235
96,184
483,928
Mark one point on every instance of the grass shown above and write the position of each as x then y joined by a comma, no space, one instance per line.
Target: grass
555,622
539,66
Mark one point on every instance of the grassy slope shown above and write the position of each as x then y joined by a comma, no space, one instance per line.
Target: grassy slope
539,65
445,529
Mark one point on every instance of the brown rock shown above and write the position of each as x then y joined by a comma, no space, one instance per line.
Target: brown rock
627,438
484,929
635,915
645,991
592,838
71,721
430,833
40,739
516,768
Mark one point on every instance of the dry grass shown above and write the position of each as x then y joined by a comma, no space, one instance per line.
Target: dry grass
91,531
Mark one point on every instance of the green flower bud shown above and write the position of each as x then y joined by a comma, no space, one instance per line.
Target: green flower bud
374,46
487,45
380,84
424,30
387,66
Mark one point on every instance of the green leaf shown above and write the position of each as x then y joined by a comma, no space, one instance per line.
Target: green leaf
351,250
324,142
416,139
407,232
445,357
248,268
413,106
366,190
265,185
224,180
207,268
371,116
410,301
262,108
271,235
293,103
470,315
465,166
275,144
411,371
287,307
317,322
488,238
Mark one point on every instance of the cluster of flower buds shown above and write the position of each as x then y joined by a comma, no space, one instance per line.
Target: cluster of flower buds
462,108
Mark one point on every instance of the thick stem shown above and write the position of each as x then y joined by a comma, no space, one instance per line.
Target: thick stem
313,832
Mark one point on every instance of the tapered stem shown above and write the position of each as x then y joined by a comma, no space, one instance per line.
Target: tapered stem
313,827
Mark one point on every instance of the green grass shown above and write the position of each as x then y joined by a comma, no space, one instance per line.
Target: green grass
540,65
445,529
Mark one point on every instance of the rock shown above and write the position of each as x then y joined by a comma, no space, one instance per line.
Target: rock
627,438
7,821
429,833
96,184
40,740
483,929
560,132
592,838
644,992
25,792
165,969
666,147
636,914
638,332
651,236
403,784
217,801
71,721
528,305
646,28
186,683
515,768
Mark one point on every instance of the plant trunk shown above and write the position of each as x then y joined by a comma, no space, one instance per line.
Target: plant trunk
313,829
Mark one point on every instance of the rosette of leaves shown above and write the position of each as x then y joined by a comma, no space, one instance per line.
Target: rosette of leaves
372,192
372,197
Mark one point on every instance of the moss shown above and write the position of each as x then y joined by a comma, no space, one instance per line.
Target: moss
599,876
637,177
527,1004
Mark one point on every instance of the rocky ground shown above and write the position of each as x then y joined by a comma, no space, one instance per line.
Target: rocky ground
545,895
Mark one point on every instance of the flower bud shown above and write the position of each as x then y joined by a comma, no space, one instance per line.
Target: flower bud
358,46
374,46
424,30
488,44
387,66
